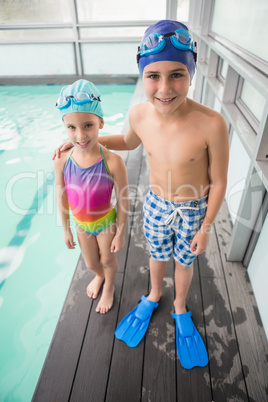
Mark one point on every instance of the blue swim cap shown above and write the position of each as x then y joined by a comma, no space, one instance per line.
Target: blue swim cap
89,88
169,53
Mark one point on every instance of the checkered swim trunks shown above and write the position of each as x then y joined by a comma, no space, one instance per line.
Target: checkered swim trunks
170,226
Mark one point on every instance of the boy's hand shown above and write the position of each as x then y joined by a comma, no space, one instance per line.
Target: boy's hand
199,242
69,240
63,147
118,242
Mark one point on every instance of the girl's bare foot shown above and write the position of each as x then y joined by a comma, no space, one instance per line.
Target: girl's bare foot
94,287
106,300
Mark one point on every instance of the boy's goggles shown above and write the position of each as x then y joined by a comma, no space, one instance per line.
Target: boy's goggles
79,99
155,42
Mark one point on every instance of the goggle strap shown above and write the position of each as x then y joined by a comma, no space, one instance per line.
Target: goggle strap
195,52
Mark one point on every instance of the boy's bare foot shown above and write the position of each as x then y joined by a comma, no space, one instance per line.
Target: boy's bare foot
106,300
94,287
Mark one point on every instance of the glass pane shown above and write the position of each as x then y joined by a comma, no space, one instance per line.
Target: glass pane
254,101
243,22
207,53
37,59
112,32
36,34
224,68
49,11
110,58
183,10
238,167
201,13
204,85
217,105
120,10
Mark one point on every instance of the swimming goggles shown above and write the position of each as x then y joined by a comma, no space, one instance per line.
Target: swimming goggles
79,99
155,42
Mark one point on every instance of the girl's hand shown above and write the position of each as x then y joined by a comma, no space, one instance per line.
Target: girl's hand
118,242
69,240
63,147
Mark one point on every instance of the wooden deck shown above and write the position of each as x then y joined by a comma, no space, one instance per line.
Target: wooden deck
86,363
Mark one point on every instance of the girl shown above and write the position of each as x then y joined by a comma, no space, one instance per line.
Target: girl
85,177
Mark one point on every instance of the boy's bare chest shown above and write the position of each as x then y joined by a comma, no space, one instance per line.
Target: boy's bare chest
175,147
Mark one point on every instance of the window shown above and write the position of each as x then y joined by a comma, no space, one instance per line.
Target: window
183,10
107,10
222,70
250,102
38,11
244,24
106,33
237,173
35,35
37,59
217,105
207,54
102,58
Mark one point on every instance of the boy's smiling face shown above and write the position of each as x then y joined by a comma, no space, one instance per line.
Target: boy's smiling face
166,85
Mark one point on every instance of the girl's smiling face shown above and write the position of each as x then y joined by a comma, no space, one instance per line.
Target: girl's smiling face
166,85
83,129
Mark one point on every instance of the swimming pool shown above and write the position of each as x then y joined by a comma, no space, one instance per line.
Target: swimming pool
36,268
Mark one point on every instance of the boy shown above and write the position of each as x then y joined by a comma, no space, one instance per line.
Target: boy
187,148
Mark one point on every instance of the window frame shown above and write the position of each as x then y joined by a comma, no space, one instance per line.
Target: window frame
244,109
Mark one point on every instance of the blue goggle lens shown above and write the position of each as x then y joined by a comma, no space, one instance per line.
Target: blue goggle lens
183,37
79,99
151,41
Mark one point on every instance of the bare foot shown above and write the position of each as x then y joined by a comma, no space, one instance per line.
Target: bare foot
106,300
94,287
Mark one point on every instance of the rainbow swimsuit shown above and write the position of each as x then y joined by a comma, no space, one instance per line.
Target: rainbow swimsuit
89,192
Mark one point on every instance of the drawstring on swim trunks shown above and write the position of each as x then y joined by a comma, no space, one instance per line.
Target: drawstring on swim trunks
171,219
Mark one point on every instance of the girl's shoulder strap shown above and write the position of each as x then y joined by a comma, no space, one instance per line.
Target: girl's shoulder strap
105,163
71,153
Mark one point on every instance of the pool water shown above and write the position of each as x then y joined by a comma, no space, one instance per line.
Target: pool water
36,268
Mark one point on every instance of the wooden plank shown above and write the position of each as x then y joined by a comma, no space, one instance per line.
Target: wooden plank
194,385
126,368
159,375
227,378
59,369
226,372
125,379
210,264
159,371
94,364
251,337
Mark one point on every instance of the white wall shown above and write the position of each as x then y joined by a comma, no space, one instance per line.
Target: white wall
258,274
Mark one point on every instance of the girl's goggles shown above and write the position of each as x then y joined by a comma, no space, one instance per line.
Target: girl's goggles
155,43
79,99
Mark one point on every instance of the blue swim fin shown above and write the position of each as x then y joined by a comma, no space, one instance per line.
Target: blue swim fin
190,346
134,325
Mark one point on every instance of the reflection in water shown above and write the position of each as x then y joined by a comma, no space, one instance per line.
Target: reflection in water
12,256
